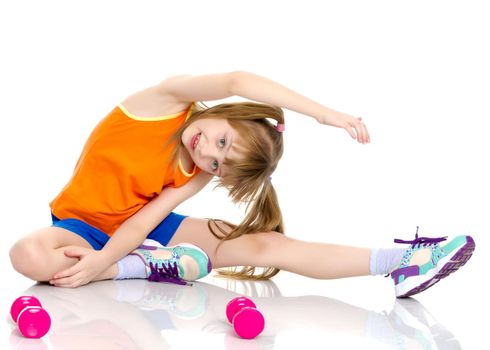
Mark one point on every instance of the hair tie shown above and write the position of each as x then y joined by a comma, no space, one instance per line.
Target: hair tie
280,127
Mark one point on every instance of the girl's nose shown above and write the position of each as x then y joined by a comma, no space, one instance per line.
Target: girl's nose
208,150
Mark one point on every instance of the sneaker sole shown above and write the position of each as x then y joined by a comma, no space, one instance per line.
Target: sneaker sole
449,264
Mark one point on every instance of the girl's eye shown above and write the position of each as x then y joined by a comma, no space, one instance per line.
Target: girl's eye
224,142
215,165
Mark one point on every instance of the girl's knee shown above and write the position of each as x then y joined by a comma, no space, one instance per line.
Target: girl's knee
270,240
266,247
271,250
29,259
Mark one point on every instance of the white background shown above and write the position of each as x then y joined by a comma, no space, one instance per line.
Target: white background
417,73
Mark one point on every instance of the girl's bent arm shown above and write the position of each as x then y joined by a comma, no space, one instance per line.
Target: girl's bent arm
135,229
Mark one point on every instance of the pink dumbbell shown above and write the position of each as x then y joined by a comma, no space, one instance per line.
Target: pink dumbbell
33,321
247,321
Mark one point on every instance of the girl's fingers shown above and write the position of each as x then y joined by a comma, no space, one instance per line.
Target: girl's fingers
366,132
62,282
358,131
363,135
368,139
76,252
351,132
68,272
68,282
63,274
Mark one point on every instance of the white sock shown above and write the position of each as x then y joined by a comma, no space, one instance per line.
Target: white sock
383,261
152,243
131,266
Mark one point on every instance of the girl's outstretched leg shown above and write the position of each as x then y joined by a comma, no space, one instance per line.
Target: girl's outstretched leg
319,260
417,267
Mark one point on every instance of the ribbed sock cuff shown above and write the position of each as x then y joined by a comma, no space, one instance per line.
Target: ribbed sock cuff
383,261
130,266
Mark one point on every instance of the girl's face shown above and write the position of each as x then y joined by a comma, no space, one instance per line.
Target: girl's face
208,142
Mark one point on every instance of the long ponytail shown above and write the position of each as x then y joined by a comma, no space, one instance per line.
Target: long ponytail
263,216
247,178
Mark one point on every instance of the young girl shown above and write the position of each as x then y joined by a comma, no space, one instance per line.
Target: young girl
158,148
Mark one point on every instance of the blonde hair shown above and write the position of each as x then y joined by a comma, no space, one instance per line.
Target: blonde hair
247,178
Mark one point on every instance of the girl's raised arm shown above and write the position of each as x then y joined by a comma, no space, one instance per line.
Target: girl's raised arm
187,88
265,90
190,88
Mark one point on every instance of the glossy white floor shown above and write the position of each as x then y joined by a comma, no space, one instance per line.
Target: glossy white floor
417,73
340,314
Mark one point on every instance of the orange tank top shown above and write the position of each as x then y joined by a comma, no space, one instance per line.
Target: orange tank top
123,166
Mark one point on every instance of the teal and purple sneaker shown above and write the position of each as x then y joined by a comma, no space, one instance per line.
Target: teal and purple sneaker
428,260
178,264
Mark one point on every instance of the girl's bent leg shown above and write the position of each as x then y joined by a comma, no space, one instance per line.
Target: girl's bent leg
40,255
272,249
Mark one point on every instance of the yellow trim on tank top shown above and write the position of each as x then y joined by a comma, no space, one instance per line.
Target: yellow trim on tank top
163,117
181,167
189,113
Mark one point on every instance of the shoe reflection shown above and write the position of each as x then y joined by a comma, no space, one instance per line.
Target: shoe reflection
137,314
414,324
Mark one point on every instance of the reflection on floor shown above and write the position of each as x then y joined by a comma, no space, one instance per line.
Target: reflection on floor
136,314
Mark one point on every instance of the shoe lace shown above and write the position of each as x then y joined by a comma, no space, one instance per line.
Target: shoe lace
421,241
417,242
166,273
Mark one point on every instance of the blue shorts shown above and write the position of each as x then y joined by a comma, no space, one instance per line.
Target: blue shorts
163,233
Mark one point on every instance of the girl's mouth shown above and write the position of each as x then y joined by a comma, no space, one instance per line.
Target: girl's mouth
195,141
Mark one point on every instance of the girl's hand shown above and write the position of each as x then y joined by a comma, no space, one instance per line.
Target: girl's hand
354,126
91,264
